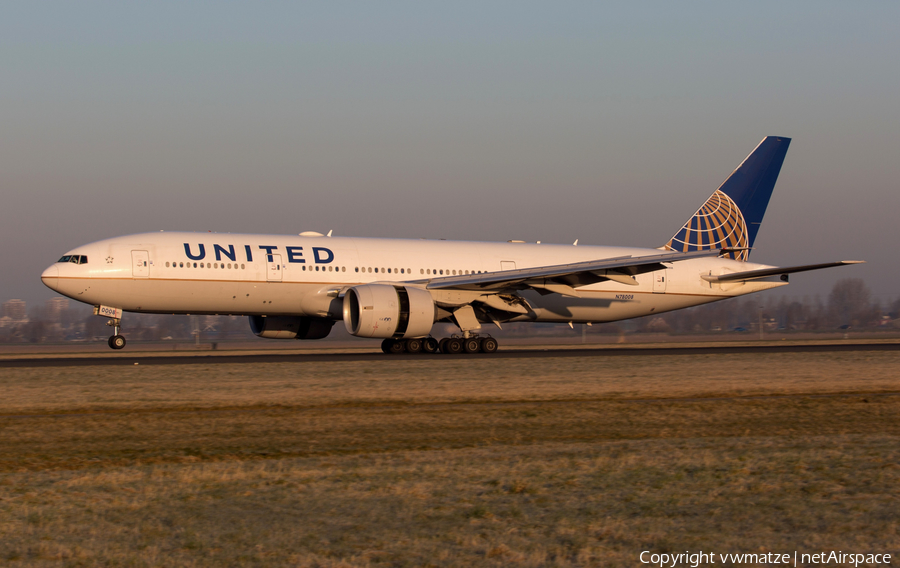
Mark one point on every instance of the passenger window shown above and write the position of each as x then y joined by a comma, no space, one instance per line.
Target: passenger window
421,271
242,267
195,265
389,270
370,270
167,265
376,270
343,269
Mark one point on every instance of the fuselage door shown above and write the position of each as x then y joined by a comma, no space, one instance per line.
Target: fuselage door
140,264
507,265
659,282
273,273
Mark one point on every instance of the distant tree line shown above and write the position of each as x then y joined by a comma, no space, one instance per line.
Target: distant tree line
849,305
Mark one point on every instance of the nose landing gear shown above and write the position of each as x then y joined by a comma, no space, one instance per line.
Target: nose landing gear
117,341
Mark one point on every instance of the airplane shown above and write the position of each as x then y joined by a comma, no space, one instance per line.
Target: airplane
299,286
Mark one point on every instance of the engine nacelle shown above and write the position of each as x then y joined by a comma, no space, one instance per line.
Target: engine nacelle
383,310
290,327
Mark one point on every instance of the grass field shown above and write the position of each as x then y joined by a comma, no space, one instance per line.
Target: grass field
418,462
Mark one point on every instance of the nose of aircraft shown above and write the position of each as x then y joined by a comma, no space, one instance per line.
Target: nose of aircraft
50,277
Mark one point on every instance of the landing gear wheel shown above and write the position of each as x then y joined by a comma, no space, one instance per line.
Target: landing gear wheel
386,345
414,346
430,345
471,345
116,342
397,347
489,345
454,346
443,345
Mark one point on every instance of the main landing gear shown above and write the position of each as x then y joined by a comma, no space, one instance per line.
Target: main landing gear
116,341
449,345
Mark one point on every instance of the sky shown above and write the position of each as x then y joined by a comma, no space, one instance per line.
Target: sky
606,122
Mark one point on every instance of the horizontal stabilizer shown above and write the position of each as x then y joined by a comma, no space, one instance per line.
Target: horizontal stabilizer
766,272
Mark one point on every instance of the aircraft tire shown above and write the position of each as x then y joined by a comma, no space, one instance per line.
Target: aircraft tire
386,345
414,346
443,345
397,347
454,346
471,345
117,342
430,345
489,345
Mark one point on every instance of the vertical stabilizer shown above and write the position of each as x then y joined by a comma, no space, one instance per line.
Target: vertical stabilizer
732,215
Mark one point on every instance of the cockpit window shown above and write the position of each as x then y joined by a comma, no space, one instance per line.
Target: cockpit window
74,259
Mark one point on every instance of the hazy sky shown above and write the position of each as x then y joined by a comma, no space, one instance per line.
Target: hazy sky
610,123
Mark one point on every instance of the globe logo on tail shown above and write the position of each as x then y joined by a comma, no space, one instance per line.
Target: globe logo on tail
717,224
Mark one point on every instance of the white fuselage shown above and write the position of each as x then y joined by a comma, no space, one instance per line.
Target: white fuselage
234,274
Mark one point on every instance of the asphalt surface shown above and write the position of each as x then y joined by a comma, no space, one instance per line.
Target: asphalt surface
256,358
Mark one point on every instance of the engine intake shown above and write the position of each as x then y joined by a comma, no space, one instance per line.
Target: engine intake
383,310
290,327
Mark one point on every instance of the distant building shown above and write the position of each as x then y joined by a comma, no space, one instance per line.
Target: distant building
55,307
15,310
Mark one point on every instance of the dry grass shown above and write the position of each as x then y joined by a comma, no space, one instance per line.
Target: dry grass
411,379
448,463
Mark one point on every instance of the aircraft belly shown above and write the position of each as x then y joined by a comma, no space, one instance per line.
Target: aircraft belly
197,297
606,306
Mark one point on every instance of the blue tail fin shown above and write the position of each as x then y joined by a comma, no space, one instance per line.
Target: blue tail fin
732,215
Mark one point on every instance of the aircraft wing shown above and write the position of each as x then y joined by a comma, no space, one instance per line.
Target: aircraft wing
563,278
766,272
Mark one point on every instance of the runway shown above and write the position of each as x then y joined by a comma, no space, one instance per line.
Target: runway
299,358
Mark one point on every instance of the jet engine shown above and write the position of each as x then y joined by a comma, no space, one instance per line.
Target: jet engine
383,310
290,327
